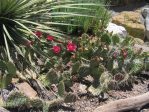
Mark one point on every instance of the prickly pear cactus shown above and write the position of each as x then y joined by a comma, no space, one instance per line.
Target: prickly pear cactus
84,70
53,76
6,78
61,88
75,67
16,99
97,71
108,59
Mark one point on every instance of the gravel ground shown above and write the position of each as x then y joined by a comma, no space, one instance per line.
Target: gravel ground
88,104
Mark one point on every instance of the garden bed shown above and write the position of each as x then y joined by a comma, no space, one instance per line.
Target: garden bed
87,103
60,57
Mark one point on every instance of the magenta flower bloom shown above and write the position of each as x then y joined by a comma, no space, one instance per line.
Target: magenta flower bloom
38,34
50,38
56,49
71,47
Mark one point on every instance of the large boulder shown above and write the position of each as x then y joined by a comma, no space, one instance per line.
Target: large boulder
131,21
116,30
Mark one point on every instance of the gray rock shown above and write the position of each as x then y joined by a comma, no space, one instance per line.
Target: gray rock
26,89
82,88
143,47
3,110
103,97
4,94
145,110
145,20
116,30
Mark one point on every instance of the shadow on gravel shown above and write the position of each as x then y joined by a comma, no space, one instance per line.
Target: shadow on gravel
61,108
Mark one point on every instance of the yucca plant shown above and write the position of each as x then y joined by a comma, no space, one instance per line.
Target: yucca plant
20,18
